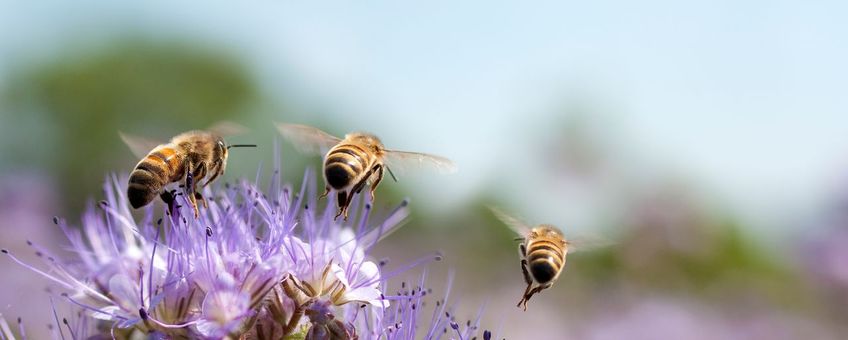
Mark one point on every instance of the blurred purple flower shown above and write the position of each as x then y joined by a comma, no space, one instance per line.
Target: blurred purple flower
29,199
666,318
657,319
251,264
827,256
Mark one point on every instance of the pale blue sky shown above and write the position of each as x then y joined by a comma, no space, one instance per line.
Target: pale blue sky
744,98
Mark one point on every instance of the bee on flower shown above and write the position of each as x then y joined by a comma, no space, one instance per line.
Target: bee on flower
238,270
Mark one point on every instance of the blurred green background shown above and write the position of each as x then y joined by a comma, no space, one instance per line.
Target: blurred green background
706,140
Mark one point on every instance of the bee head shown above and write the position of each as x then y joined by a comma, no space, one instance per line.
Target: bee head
221,149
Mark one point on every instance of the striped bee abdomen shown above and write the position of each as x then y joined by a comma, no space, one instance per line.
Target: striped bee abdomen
150,175
344,164
545,259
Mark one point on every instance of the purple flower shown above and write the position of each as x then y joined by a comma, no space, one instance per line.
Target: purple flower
670,318
222,312
28,200
827,256
408,319
253,264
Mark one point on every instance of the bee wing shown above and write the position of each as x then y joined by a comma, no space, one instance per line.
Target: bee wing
587,242
308,139
139,146
226,128
518,226
404,160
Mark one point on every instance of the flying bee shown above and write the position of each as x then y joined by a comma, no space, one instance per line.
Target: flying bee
358,160
188,158
542,250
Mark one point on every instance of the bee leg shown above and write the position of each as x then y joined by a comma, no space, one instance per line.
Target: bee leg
534,291
525,297
202,173
193,201
326,192
345,198
348,200
189,188
527,278
361,184
343,203
379,169
199,197
167,197
199,173
218,172
192,177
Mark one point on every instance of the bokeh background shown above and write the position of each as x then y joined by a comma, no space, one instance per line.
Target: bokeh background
707,140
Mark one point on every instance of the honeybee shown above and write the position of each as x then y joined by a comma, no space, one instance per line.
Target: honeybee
189,158
542,251
358,160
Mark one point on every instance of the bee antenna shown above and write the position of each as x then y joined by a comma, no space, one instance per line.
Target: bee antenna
391,173
241,146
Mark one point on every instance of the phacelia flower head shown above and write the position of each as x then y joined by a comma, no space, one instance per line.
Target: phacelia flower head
252,264
218,274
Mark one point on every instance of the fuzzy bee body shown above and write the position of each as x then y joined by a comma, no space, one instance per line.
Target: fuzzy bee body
188,158
357,161
353,163
160,167
347,163
544,250
543,254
